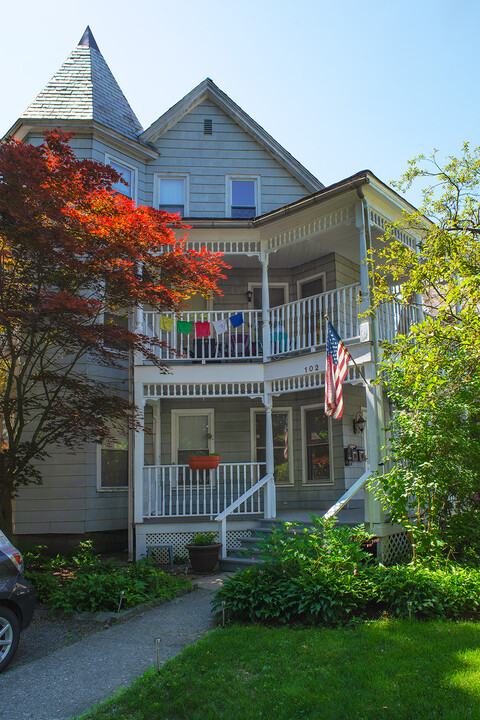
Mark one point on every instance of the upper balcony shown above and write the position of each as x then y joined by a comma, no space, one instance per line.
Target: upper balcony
294,328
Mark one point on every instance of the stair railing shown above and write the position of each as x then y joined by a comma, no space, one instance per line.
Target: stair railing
347,495
222,517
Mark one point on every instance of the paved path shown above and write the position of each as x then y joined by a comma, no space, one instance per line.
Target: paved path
71,680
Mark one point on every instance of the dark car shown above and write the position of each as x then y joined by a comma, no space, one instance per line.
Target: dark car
17,600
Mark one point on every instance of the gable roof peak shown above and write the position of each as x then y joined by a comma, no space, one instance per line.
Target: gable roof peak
208,90
88,40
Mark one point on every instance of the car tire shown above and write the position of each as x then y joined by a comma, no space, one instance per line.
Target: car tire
9,636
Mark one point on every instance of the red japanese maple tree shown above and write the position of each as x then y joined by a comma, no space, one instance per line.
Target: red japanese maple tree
71,249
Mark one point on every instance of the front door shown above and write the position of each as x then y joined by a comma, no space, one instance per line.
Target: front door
192,434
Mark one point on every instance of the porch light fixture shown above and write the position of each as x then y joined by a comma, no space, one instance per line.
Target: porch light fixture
249,295
359,423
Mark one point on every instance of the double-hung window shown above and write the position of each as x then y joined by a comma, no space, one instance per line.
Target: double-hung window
128,175
112,464
171,193
242,197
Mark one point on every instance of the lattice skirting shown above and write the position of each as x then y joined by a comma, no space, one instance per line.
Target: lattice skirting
396,548
179,539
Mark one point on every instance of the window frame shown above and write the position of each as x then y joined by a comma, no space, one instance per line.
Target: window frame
285,285
127,166
305,481
253,440
228,194
157,182
310,278
102,489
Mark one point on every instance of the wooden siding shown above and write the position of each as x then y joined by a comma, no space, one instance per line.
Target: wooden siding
208,159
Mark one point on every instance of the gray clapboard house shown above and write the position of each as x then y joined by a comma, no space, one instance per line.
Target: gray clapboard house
247,368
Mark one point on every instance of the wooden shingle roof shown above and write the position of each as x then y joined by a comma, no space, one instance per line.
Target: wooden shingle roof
85,89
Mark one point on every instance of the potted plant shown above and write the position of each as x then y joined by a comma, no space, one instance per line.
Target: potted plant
203,462
203,552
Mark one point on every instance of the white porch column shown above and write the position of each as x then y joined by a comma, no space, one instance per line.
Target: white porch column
374,513
139,456
270,510
266,334
157,436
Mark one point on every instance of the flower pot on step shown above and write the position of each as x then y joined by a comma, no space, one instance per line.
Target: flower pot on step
203,558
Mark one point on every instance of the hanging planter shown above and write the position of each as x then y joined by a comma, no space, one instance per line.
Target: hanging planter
203,462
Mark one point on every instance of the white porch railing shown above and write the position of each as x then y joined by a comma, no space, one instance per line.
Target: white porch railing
177,491
236,343
269,506
341,502
395,319
300,325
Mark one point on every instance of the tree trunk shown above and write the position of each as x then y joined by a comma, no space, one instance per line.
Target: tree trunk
6,513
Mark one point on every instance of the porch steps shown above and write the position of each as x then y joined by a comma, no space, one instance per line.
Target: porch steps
248,554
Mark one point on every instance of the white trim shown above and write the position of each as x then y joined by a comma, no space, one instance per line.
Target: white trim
126,165
157,179
253,440
256,179
309,278
175,414
305,482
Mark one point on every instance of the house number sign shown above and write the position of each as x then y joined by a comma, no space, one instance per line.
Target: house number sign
312,368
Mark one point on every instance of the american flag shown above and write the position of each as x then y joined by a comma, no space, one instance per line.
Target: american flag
335,373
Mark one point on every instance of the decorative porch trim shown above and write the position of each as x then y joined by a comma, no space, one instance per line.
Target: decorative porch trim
381,222
228,247
327,222
308,381
203,390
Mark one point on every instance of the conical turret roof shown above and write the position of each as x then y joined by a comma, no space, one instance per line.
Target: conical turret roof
85,89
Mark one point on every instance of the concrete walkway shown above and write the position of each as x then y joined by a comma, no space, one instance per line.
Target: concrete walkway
69,681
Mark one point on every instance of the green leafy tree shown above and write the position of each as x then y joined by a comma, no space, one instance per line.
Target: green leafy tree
432,376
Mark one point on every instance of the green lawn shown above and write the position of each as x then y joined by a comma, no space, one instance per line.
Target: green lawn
383,669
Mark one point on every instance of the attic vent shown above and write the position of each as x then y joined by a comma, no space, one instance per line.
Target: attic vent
207,126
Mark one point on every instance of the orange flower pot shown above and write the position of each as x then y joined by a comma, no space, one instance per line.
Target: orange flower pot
203,462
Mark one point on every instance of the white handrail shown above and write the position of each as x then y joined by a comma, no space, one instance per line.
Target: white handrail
347,495
222,517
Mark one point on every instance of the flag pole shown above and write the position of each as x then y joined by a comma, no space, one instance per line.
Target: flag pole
351,358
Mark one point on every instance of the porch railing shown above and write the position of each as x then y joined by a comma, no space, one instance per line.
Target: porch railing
267,483
297,326
300,325
395,319
177,491
235,343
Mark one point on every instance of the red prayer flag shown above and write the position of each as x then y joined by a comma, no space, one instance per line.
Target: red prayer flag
202,329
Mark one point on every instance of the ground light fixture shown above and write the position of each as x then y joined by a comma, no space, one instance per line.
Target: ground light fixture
157,643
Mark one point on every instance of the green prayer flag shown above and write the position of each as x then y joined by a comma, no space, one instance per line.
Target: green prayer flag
184,327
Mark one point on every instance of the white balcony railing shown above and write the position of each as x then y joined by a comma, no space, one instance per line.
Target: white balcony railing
235,343
300,325
295,327
177,491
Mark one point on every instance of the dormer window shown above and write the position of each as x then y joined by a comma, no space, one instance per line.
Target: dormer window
242,197
127,173
172,194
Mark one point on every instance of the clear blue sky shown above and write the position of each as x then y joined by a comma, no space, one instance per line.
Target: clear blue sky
342,85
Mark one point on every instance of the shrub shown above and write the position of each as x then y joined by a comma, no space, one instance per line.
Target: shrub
84,582
325,575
